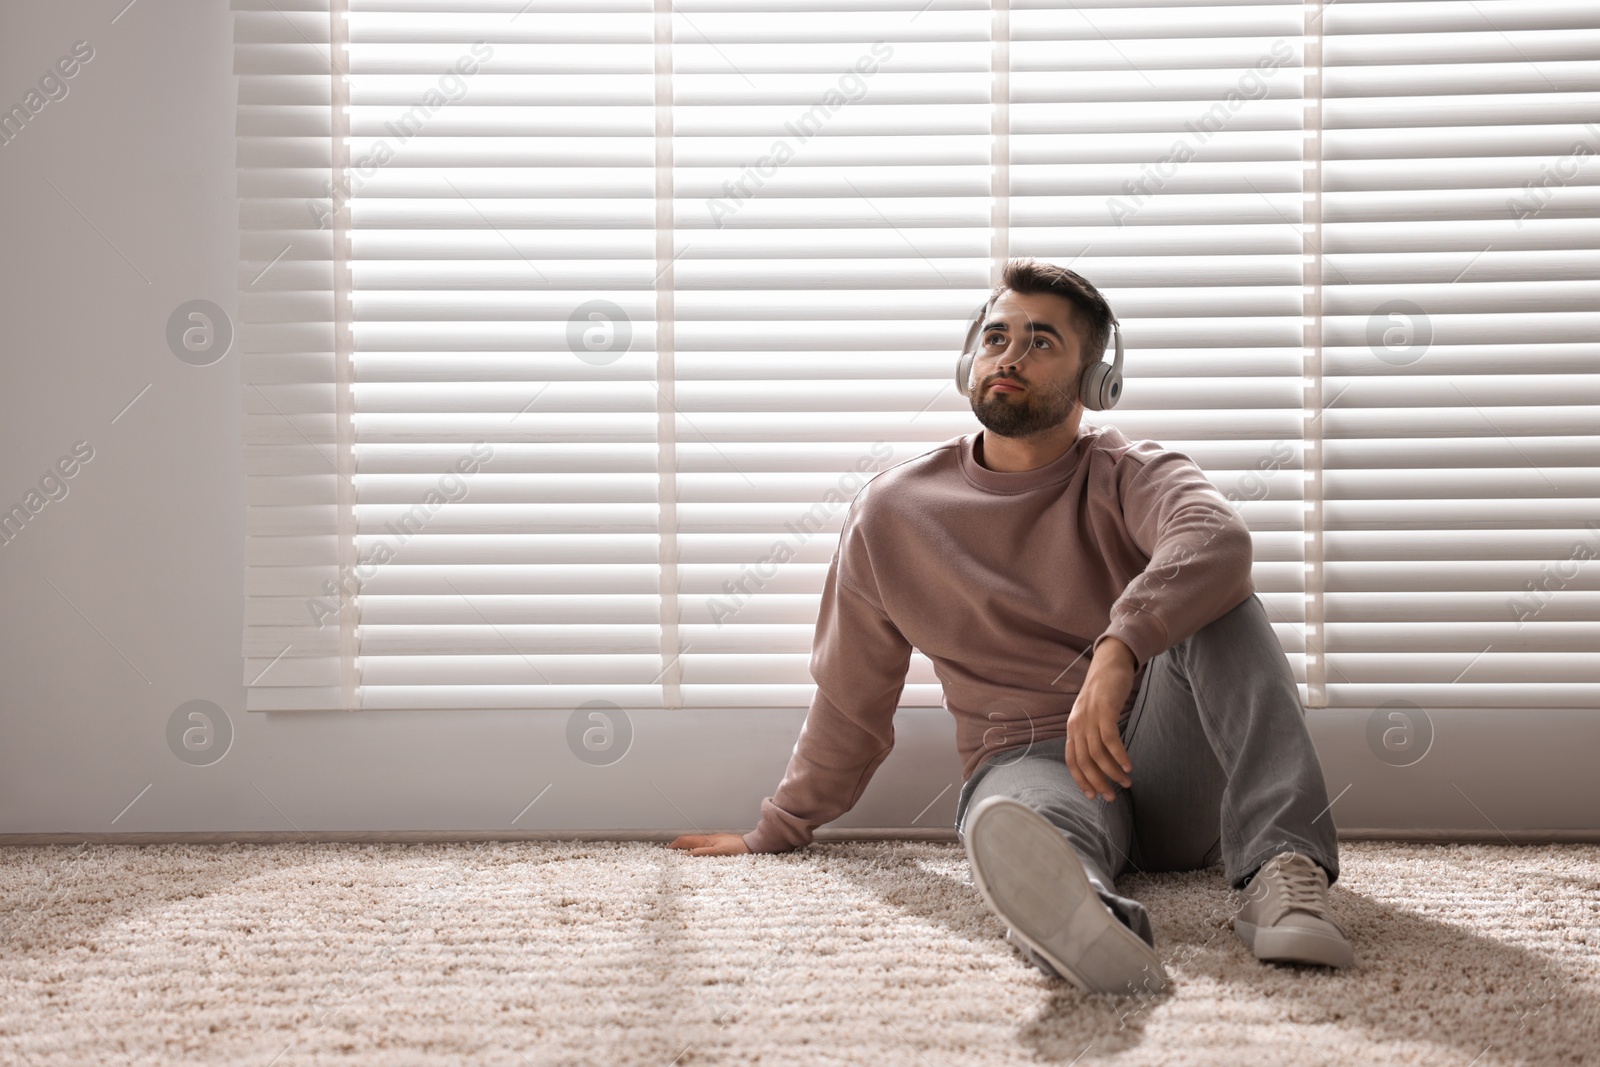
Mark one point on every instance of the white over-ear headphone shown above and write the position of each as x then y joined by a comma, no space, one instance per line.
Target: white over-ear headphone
1099,388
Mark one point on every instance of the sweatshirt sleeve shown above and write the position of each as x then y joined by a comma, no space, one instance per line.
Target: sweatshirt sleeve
1199,550
859,661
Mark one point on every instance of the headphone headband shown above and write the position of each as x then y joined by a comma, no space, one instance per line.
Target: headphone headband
1099,387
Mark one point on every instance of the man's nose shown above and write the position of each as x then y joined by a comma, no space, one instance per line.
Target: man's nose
1013,355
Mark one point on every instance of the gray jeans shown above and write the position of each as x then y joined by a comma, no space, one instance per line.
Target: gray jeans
1223,767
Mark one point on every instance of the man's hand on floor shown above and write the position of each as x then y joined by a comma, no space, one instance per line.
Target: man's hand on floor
1095,755
711,844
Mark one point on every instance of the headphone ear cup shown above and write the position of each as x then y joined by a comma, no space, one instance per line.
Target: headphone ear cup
969,350
1100,387
964,372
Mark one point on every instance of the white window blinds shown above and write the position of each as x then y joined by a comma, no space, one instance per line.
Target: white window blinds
1461,314
571,328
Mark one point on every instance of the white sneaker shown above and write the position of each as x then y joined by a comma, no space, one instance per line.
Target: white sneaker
1031,877
1285,919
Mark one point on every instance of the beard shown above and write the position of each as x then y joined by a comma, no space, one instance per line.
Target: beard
1027,414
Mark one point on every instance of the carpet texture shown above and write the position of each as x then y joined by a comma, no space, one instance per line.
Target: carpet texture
845,953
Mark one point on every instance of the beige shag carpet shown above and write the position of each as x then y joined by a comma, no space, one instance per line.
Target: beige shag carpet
846,953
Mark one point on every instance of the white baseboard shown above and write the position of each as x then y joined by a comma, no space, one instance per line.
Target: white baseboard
1489,775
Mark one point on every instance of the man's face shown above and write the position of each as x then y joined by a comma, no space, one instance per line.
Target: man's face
1025,377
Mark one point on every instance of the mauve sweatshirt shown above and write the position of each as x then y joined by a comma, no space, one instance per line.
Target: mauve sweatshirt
1007,582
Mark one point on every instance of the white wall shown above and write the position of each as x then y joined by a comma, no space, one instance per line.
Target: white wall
124,599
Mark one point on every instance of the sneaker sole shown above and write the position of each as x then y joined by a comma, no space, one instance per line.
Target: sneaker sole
1029,875
1281,945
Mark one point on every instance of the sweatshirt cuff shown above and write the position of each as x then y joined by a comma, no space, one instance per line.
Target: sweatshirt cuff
771,835
754,843
1141,632
762,839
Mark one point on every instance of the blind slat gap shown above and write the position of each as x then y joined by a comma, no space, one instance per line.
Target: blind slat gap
1000,140
666,371
344,358
1311,433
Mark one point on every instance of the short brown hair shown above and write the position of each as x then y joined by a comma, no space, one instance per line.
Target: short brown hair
1034,276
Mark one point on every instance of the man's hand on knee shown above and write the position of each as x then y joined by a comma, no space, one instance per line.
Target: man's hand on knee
1095,754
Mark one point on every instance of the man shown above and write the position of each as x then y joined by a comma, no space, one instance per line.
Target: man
1121,700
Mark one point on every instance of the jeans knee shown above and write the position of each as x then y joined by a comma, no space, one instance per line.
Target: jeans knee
1248,616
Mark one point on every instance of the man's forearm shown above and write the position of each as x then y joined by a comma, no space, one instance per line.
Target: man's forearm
831,765
1200,569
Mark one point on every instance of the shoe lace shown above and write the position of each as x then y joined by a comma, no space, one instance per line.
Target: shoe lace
1301,888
